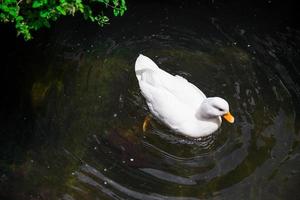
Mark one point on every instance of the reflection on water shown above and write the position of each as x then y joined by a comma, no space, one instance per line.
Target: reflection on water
87,140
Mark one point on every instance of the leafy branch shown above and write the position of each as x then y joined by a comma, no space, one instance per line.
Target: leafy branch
28,15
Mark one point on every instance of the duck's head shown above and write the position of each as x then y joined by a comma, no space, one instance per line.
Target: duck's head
213,107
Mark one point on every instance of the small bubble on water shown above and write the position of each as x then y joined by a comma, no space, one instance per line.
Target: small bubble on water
115,115
105,169
105,183
131,159
121,99
242,32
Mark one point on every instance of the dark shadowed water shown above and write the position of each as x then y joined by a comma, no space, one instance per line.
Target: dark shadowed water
72,111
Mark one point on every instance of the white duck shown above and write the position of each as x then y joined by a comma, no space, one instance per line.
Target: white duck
178,103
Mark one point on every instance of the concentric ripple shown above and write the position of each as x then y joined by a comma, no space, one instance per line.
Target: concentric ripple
89,107
104,109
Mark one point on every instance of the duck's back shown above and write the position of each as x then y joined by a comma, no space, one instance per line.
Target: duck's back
150,74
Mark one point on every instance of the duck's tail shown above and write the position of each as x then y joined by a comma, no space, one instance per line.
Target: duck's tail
143,64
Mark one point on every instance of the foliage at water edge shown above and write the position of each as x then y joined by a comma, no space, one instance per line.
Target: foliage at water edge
28,15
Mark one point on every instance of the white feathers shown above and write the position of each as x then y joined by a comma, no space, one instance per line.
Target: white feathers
177,102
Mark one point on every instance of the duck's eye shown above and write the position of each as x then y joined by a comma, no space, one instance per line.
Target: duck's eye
220,109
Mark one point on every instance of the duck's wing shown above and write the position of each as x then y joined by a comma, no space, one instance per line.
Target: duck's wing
179,87
165,106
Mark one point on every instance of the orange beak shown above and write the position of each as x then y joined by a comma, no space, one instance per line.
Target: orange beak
229,117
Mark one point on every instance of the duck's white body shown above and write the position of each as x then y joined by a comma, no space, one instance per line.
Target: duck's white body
176,102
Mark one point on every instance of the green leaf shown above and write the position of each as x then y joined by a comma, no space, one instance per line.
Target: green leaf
81,8
9,1
116,2
12,11
61,10
4,7
19,18
122,11
103,1
2,16
116,12
44,13
37,4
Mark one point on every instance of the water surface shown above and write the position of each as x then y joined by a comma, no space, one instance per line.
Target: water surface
81,136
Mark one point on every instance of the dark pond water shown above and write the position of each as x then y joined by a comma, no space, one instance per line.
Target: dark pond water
71,110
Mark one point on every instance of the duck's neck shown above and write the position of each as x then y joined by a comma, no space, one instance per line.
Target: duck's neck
203,117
